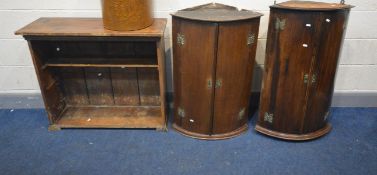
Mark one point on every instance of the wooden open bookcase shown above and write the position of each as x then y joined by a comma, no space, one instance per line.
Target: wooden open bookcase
91,77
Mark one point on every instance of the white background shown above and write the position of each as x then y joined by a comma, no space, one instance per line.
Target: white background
358,64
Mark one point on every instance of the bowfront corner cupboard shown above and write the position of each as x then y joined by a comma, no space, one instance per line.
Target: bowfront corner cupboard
303,46
214,48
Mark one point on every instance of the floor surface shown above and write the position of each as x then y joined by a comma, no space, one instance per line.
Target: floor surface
26,147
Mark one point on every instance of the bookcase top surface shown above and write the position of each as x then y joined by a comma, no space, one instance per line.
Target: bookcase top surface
86,27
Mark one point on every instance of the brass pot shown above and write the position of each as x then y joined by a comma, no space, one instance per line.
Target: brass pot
125,15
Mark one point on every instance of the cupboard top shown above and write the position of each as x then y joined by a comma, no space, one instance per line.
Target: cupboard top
311,6
85,27
214,12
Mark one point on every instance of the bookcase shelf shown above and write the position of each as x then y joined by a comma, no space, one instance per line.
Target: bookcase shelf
101,62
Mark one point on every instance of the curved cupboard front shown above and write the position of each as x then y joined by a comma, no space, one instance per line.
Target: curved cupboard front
214,55
303,45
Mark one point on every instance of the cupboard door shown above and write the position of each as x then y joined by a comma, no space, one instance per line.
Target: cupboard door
194,53
322,84
233,74
287,67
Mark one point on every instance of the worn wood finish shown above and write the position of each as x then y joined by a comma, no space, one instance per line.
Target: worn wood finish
205,109
52,97
124,15
310,5
300,66
73,80
325,67
83,27
111,117
215,12
228,135
125,86
192,71
98,82
160,46
235,65
114,82
149,88
102,62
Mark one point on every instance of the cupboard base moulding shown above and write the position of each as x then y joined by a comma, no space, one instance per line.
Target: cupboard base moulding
296,137
229,135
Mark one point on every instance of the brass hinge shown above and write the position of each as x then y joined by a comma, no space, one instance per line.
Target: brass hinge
280,24
314,78
306,78
241,114
181,112
268,117
219,83
180,39
250,39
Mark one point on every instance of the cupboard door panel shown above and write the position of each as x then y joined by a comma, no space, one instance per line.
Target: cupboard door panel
193,74
288,61
99,86
234,70
322,88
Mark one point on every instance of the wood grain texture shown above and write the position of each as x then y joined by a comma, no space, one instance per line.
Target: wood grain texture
125,15
193,68
95,77
125,86
309,44
149,87
111,117
234,68
325,67
86,27
52,96
74,86
213,66
160,45
215,12
311,6
99,86
287,65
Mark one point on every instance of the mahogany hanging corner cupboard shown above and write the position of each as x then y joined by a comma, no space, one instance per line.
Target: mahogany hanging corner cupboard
214,48
303,46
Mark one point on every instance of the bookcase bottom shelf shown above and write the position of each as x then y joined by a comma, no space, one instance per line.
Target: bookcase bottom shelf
111,117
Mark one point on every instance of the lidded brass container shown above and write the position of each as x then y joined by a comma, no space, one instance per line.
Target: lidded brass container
126,15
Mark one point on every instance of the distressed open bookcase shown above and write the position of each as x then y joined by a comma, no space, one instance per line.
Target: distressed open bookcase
91,77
